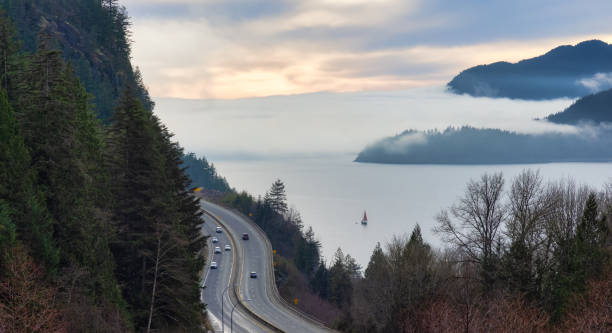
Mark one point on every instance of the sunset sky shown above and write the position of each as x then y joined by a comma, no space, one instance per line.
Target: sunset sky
234,49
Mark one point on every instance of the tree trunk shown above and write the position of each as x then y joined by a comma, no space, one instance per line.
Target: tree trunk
154,283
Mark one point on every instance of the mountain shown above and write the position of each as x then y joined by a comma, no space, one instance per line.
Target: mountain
97,230
469,145
566,71
93,36
595,108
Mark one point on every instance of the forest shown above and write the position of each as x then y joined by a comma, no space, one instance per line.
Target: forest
562,72
594,109
469,145
528,256
98,232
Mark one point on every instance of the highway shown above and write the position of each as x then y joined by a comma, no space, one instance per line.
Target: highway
217,280
259,295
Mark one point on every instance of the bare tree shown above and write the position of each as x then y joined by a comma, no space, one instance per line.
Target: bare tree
568,201
529,205
474,223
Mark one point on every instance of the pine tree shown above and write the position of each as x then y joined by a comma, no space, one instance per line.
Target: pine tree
276,197
22,204
590,254
158,221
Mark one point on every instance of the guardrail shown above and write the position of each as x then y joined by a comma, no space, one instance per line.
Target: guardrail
233,281
275,294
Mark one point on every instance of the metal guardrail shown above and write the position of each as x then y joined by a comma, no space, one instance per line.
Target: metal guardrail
275,294
236,295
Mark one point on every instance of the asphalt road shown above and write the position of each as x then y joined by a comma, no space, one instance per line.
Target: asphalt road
256,293
216,281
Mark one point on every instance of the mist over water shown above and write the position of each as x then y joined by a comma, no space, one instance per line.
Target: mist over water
309,141
332,123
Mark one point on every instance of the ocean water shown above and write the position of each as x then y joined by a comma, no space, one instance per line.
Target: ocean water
309,141
332,194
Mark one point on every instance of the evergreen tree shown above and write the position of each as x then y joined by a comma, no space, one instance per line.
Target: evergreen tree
158,246
590,252
276,197
23,206
340,286
9,49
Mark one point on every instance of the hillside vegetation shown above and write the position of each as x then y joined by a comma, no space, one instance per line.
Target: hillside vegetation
469,145
97,230
94,38
595,108
566,71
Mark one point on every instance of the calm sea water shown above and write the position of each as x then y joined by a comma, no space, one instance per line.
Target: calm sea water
309,141
331,194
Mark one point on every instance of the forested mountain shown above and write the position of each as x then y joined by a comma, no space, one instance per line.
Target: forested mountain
97,230
203,174
566,71
469,145
596,108
93,36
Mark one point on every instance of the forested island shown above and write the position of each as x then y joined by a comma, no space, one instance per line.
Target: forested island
469,145
566,71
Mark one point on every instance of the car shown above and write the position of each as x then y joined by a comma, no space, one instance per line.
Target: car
215,240
217,249
219,230
213,265
253,275
228,247
245,236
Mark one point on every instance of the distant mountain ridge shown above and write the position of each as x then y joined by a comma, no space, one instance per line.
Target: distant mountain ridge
565,71
595,108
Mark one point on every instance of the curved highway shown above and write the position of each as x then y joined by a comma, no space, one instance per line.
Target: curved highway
217,286
259,294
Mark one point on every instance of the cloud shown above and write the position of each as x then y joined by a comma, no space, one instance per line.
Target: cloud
240,48
598,82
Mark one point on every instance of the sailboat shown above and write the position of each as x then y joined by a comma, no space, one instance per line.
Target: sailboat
364,220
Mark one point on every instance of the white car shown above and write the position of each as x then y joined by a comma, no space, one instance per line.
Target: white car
215,240
228,247
213,265
219,230
217,249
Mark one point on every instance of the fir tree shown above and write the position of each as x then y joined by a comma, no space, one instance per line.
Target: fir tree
276,197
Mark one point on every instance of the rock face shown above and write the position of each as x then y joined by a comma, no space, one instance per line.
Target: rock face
93,36
566,71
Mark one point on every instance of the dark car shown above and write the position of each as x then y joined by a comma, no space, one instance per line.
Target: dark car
253,275
245,236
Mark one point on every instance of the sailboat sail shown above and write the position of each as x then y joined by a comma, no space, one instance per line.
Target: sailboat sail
365,218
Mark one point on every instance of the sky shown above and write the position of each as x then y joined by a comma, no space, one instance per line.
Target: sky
229,49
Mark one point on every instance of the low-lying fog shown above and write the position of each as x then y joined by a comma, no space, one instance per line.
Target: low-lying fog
331,123
250,141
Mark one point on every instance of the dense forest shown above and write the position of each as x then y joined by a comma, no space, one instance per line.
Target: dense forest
528,257
559,73
97,230
94,38
595,108
469,145
204,174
